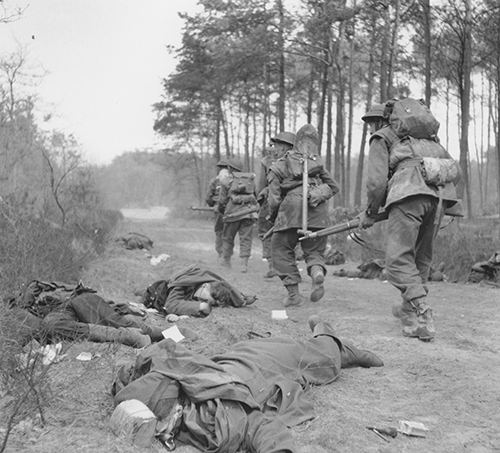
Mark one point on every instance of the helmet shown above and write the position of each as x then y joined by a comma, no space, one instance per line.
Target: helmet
223,163
235,164
284,137
377,111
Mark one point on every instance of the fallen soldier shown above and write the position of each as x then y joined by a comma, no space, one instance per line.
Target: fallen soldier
244,398
488,271
193,291
135,241
51,311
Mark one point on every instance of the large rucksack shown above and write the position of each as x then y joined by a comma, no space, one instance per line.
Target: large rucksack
411,117
243,183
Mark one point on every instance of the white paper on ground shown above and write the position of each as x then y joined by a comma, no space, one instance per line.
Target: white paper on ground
173,333
279,314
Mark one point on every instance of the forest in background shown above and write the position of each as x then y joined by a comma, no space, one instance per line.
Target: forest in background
250,68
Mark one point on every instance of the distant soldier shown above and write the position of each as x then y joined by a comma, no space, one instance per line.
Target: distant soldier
280,144
224,170
238,204
413,202
285,205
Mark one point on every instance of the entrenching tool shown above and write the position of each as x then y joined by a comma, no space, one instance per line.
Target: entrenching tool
242,212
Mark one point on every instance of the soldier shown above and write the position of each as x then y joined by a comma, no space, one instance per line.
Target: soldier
238,205
280,144
413,215
212,198
285,205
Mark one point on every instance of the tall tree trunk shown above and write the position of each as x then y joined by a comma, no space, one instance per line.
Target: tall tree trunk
281,76
310,93
350,118
384,48
478,153
224,128
369,94
265,109
322,100
464,87
426,10
393,51
329,129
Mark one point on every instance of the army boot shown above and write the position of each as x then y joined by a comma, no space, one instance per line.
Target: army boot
125,335
422,325
318,277
271,273
226,262
294,297
244,265
405,313
350,357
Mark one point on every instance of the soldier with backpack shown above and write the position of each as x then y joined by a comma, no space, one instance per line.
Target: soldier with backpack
413,178
280,144
239,206
224,172
288,181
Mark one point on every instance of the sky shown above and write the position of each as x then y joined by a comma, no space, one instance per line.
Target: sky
103,63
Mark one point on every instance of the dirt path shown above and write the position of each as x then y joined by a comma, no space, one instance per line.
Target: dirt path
452,384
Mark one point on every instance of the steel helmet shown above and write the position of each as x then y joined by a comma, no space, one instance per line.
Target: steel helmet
377,111
284,137
223,163
235,164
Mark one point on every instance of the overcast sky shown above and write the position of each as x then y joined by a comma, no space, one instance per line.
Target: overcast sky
104,61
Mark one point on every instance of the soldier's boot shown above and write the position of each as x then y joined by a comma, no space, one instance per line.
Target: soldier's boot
294,297
350,356
405,313
244,265
125,335
422,326
318,278
271,273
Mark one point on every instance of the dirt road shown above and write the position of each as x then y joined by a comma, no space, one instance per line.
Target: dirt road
452,385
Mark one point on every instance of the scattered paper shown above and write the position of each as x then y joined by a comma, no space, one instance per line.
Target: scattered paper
173,333
412,428
155,260
50,353
84,356
279,314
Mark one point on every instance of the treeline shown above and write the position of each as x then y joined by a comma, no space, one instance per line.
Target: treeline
51,215
249,68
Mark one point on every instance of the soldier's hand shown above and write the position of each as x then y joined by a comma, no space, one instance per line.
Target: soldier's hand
365,221
205,308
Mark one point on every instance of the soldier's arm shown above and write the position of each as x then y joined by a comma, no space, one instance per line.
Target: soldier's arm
177,304
327,179
223,198
378,175
274,194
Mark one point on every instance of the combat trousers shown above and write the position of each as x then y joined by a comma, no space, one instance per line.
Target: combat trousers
283,245
244,228
410,240
263,226
218,228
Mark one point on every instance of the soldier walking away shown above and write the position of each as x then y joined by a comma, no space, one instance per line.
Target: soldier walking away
280,144
285,198
413,199
238,205
224,169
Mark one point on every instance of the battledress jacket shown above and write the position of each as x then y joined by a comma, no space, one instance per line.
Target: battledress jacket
228,206
213,192
245,397
391,180
285,198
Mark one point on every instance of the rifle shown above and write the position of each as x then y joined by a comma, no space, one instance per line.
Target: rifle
242,212
267,234
202,208
341,227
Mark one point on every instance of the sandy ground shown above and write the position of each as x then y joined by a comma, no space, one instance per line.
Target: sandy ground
452,385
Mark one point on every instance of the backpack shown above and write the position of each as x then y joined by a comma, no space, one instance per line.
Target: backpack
295,164
411,117
243,183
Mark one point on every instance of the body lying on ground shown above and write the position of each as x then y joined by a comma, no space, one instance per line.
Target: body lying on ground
51,311
193,291
244,398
